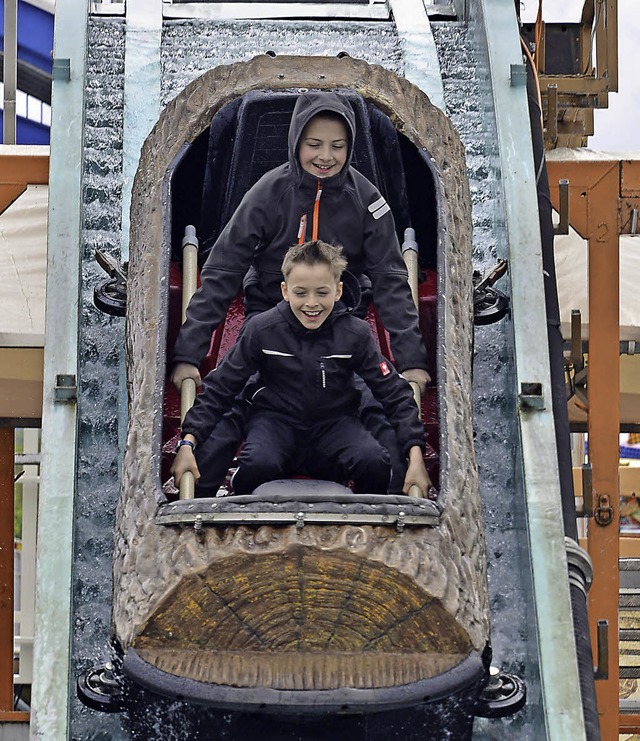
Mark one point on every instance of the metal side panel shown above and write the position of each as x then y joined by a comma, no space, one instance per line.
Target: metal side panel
557,656
418,48
141,93
49,718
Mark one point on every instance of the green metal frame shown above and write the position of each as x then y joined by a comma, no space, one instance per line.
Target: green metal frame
558,666
50,702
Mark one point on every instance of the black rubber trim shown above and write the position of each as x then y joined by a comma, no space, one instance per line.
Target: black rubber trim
464,676
30,80
305,495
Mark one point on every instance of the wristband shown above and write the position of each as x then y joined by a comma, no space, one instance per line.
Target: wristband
185,442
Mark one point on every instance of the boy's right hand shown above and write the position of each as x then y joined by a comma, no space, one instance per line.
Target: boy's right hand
182,371
184,461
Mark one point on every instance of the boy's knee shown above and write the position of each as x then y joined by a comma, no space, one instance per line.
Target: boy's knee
372,461
262,466
372,477
375,454
251,473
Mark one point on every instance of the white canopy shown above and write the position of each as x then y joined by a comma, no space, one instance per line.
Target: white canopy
23,269
571,254
571,257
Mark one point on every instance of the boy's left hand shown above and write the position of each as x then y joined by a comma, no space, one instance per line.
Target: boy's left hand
419,376
183,462
416,473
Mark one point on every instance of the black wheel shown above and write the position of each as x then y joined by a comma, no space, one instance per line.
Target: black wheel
489,306
100,688
111,297
504,694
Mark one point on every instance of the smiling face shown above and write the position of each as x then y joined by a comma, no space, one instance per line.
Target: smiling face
312,292
324,146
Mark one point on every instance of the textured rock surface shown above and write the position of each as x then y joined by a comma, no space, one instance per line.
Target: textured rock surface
448,561
100,366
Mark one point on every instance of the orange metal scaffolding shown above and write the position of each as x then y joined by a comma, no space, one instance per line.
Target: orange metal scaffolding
20,166
603,194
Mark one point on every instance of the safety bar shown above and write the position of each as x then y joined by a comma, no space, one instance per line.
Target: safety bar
188,387
410,255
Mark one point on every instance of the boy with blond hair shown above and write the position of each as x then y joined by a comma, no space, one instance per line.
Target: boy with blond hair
304,414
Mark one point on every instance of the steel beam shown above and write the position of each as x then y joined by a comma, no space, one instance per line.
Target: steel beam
539,464
10,70
6,568
50,690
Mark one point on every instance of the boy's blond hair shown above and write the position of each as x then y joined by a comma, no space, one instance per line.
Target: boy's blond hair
315,252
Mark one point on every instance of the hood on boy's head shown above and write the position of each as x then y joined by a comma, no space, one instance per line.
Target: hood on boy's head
311,103
351,293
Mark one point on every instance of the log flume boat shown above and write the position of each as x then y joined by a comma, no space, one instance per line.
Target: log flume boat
302,600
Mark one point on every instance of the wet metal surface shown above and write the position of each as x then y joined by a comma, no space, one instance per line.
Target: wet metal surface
101,339
469,104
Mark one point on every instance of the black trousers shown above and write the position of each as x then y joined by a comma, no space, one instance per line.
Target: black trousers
339,449
215,455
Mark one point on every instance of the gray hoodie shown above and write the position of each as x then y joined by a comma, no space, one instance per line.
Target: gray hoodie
249,251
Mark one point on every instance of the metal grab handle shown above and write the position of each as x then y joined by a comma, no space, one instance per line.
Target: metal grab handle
563,198
601,670
417,396
188,386
410,255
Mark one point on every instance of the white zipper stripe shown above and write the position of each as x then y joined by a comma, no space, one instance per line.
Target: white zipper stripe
277,352
253,396
337,356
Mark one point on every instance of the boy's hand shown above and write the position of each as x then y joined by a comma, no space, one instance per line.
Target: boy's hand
419,376
416,473
183,371
184,461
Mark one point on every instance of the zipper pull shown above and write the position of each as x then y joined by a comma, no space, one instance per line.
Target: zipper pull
323,375
302,229
316,212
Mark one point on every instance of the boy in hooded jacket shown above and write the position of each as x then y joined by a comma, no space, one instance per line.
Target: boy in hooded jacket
304,417
316,194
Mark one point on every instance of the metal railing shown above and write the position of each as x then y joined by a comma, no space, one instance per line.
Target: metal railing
10,71
16,584
27,487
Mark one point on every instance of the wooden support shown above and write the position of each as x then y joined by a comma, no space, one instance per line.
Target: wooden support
6,568
14,716
603,383
630,724
19,167
596,204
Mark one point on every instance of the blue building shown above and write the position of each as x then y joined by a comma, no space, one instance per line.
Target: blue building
34,69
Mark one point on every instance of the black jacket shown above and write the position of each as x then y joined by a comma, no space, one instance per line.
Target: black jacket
352,213
306,375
